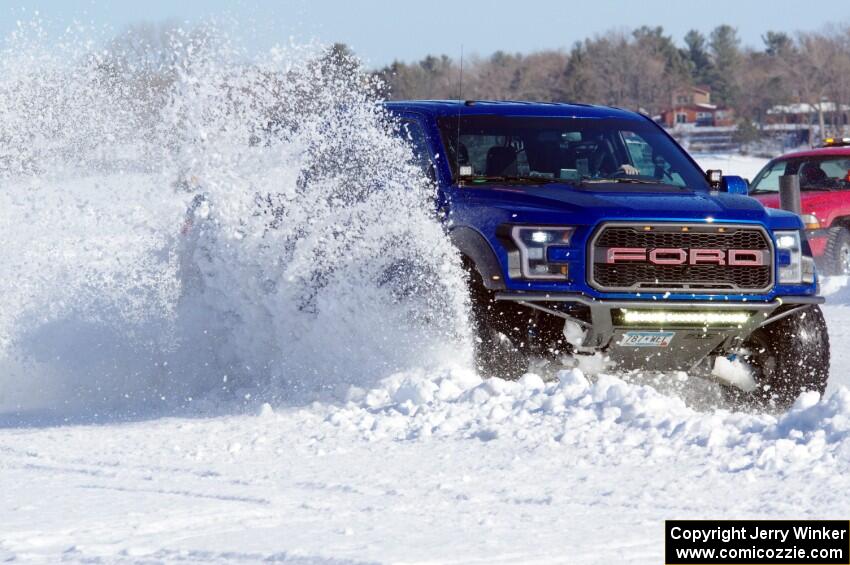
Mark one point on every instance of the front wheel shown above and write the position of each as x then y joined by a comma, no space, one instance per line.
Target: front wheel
787,357
501,344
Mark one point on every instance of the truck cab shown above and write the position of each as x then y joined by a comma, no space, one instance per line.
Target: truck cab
587,230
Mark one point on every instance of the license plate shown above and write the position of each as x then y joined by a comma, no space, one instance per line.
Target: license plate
646,339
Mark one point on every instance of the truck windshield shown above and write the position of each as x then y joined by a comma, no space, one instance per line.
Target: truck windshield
497,149
816,173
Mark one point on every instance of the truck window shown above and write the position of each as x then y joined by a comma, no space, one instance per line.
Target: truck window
816,173
491,148
475,149
413,133
645,159
768,179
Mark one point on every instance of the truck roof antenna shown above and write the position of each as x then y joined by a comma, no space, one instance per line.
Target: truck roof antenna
459,102
460,79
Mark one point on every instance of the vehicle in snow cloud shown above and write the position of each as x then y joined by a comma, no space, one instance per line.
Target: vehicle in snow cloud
588,231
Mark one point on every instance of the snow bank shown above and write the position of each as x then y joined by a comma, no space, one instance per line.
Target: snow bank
597,417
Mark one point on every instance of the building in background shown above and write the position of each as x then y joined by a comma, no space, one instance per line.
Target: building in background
835,116
691,107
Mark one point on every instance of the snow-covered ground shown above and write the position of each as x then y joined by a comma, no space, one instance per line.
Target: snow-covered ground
746,166
566,473
423,468
139,427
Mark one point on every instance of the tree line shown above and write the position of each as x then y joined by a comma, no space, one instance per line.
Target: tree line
639,69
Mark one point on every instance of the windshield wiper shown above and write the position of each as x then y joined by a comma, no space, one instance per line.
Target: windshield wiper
626,180
481,179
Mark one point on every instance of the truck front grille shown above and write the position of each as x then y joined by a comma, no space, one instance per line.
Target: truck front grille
680,258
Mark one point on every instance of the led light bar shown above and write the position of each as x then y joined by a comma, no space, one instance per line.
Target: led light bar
684,317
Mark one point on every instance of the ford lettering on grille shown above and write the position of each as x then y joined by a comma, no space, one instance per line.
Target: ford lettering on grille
680,257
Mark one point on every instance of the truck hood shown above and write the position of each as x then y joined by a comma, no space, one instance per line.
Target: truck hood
588,205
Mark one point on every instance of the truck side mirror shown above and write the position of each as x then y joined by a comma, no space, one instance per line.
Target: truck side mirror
789,193
735,185
714,178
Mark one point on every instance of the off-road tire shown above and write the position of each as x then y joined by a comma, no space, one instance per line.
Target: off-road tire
787,357
500,347
837,254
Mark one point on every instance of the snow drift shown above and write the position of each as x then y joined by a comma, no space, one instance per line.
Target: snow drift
603,416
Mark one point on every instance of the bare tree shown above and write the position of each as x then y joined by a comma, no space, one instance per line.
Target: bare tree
638,69
808,70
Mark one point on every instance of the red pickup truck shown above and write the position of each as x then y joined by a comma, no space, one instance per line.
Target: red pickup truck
825,193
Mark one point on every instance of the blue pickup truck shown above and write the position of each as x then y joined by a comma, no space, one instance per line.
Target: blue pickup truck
588,230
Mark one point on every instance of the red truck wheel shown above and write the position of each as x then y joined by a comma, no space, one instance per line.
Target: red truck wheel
837,255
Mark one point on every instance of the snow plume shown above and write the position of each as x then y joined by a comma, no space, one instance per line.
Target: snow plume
313,259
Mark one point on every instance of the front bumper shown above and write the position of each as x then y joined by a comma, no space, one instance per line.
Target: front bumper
688,347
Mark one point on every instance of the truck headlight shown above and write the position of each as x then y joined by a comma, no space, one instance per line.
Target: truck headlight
533,243
794,267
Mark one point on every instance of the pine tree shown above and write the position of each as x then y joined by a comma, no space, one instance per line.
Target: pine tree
698,57
726,61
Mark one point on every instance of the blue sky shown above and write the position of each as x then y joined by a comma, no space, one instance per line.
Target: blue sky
383,31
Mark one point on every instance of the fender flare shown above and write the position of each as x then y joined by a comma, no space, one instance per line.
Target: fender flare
474,247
